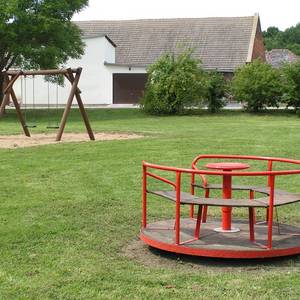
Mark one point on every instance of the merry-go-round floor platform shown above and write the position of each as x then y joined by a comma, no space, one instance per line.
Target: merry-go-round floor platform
161,235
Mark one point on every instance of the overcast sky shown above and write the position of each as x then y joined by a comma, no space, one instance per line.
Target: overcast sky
279,13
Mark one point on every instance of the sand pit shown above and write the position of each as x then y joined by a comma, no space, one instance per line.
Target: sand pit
21,141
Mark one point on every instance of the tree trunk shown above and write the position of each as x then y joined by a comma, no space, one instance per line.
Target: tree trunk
1,87
6,62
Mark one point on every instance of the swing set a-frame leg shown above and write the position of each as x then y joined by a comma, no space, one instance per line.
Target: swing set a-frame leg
8,83
74,92
19,113
81,108
10,91
3,104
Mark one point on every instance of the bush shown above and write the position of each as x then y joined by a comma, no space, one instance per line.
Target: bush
174,83
291,85
216,91
257,85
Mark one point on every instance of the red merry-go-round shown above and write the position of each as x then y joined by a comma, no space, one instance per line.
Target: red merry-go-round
227,236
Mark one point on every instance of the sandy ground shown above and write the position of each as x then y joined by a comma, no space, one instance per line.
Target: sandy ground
20,141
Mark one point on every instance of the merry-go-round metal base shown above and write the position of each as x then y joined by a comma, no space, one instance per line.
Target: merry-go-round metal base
161,235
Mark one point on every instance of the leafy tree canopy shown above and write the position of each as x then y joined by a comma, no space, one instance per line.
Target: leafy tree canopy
290,38
174,83
291,85
39,34
216,91
257,85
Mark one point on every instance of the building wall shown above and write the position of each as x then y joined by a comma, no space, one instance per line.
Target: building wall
95,82
258,47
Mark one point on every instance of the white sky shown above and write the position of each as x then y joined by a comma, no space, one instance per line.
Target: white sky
279,13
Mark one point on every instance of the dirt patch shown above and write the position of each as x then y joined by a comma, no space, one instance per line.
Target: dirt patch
21,141
137,251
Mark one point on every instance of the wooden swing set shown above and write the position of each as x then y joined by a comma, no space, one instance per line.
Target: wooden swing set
72,75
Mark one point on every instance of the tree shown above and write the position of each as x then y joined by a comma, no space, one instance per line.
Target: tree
271,32
289,39
291,86
216,91
38,34
273,38
257,85
174,82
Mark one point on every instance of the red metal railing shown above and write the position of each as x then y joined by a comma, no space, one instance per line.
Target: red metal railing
270,174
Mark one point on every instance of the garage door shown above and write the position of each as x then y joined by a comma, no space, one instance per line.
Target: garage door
128,88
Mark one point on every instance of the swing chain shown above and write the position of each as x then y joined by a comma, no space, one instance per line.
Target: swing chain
33,102
55,125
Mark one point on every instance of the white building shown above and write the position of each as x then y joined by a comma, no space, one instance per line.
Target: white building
96,84
117,54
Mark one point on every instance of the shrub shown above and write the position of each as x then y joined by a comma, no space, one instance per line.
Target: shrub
216,90
257,85
291,85
174,83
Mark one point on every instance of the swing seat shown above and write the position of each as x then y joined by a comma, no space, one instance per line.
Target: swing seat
30,125
52,127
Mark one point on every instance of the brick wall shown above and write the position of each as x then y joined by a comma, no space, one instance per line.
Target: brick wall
259,48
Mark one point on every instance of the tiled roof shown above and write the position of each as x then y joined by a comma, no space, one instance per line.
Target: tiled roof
221,43
278,57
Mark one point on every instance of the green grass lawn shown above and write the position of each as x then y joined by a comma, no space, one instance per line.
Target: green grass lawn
67,211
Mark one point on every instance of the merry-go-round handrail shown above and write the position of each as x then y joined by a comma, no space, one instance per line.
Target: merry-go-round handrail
195,170
268,172
244,157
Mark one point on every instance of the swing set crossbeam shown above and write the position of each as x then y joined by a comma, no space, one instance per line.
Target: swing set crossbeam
73,76
40,72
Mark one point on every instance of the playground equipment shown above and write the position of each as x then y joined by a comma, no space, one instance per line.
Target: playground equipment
52,123
24,96
250,239
72,75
